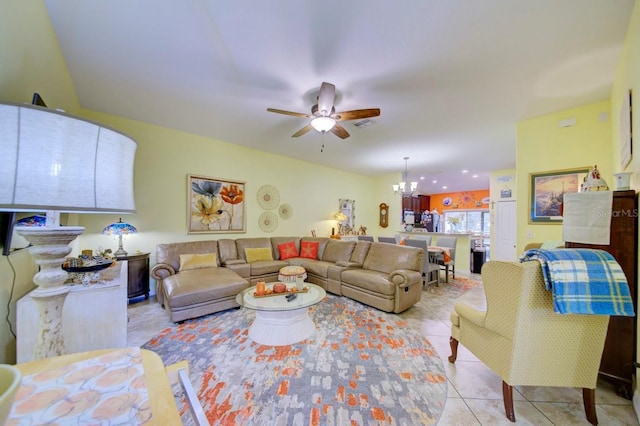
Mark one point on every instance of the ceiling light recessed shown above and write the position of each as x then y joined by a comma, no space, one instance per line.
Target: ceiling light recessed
474,176
444,187
465,171
434,181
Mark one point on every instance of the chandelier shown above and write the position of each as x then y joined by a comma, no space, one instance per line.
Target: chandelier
404,188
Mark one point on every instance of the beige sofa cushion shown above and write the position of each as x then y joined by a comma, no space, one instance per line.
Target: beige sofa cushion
387,258
196,286
372,281
170,253
338,250
244,243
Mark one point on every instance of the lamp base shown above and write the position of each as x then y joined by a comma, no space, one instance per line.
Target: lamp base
49,247
120,252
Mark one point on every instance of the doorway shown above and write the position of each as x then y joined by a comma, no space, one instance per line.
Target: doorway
505,232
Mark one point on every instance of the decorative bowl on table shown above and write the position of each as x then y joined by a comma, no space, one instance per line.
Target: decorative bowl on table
91,265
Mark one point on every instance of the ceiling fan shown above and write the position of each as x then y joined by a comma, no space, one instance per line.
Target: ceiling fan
324,116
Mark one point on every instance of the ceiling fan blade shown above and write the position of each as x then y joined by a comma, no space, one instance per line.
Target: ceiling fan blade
339,131
357,114
326,97
302,131
295,114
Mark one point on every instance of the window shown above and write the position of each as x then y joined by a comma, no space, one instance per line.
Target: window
467,221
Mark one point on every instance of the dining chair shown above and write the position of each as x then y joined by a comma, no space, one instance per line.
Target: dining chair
450,244
430,269
390,240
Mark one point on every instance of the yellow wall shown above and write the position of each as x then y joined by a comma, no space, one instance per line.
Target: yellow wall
544,146
628,78
31,60
165,157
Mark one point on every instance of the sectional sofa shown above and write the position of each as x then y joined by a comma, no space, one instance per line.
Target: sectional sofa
201,277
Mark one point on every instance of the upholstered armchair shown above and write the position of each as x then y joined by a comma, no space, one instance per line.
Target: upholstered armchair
516,333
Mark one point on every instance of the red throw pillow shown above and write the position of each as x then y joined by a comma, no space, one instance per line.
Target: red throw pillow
309,249
287,250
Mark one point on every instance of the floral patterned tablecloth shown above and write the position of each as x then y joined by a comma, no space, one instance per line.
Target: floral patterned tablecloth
105,390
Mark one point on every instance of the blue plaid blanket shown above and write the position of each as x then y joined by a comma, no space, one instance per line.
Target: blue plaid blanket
584,281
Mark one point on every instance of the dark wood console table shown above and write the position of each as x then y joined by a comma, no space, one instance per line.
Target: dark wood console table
138,283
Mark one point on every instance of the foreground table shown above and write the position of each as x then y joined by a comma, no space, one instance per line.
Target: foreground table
163,406
279,322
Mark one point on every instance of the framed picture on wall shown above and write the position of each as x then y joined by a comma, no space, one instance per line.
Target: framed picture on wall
546,192
215,205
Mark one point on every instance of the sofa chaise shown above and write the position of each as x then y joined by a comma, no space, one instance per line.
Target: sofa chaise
202,277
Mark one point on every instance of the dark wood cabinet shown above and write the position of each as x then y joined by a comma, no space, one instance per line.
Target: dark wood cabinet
138,279
425,202
618,357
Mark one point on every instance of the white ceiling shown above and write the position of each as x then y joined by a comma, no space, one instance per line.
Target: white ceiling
451,77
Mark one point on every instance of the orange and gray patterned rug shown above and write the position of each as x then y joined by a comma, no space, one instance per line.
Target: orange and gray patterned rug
361,367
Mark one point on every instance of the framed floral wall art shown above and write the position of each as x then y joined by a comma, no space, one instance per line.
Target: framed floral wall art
215,205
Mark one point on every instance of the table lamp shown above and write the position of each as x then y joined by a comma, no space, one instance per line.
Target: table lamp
55,162
120,228
340,217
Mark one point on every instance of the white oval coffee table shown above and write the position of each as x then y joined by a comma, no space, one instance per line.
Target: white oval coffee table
279,322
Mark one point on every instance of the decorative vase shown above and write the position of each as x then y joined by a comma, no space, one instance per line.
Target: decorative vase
623,180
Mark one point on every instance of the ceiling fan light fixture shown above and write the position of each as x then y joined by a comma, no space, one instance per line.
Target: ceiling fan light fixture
323,124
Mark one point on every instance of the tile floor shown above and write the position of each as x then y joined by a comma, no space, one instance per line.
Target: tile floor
474,392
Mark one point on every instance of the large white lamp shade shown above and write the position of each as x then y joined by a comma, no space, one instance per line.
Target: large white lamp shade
55,162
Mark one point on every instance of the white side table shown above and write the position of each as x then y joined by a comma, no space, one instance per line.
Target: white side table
93,317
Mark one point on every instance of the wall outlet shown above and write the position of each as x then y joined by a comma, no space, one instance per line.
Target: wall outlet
529,235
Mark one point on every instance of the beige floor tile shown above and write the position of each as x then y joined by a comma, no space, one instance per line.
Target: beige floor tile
550,394
451,391
457,413
476,380
491,412
573,414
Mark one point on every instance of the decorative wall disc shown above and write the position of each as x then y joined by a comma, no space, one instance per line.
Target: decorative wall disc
268,221
268,197
285,211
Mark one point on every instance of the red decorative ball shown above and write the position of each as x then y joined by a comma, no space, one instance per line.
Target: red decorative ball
279,287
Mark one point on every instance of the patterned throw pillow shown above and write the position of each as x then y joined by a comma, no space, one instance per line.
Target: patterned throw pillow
309,249
197,261
287,250
255,254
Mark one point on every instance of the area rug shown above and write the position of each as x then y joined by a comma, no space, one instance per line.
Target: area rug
361,367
